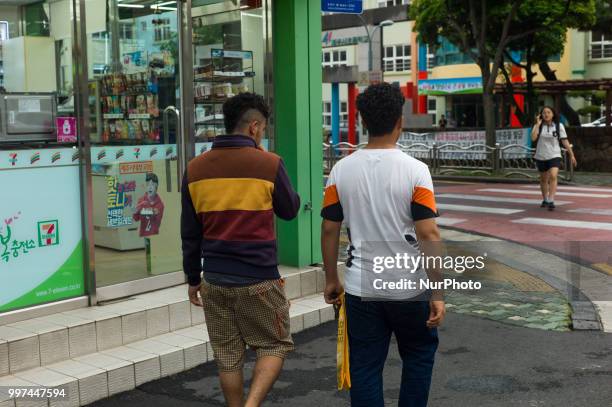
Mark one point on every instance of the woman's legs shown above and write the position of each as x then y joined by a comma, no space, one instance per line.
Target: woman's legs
552,183
544,185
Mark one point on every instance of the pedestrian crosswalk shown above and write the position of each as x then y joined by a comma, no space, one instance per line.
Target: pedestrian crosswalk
572,188
525,191
478,209
446,221
512,212
490,198
566,223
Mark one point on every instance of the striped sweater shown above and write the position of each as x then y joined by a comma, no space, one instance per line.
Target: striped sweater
230,195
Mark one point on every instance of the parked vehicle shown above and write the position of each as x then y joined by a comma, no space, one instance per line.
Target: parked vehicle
597,123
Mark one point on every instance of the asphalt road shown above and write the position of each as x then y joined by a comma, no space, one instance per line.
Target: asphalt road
479,363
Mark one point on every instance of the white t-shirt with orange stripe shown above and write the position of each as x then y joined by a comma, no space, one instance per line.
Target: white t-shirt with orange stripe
379,194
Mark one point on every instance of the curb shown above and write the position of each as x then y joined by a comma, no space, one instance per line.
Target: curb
584,313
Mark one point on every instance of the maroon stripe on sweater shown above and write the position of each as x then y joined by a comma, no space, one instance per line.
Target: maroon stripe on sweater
237,225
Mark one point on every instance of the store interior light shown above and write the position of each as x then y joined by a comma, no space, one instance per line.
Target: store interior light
165,3
164,8
131,5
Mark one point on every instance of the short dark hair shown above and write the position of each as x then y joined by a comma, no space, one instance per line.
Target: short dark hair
152,177
380,107
235,108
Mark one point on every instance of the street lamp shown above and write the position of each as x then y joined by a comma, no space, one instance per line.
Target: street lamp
384,23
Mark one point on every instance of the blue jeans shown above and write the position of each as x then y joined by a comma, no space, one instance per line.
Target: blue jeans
370,324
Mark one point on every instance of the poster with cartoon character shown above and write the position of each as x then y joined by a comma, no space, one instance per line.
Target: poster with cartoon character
150,208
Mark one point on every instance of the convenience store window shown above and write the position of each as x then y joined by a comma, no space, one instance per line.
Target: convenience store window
145,124
41,224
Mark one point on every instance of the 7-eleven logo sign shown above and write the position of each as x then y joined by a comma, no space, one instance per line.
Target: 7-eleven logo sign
48,233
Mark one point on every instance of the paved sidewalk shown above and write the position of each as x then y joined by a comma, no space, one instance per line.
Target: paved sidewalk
479,363
522,292
592,178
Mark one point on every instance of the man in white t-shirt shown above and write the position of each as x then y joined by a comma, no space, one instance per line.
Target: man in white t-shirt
386,199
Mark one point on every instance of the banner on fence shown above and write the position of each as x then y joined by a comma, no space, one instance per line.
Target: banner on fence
457,141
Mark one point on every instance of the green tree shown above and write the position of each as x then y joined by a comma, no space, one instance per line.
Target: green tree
603,13
485,30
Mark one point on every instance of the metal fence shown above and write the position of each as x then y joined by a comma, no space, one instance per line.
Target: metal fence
511,161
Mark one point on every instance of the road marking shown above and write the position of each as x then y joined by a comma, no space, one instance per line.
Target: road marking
566,223
592,211
497,199
529,192
480,209
568,188
444,221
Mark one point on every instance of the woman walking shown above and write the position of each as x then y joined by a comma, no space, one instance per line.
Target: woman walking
547,133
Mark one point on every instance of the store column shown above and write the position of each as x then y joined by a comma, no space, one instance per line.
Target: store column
298,137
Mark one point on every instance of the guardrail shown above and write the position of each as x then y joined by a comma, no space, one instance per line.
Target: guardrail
513,160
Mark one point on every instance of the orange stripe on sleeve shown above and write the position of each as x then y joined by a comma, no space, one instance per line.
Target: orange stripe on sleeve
331,196
425,197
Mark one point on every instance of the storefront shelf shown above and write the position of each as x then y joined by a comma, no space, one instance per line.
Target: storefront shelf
202,101
217,122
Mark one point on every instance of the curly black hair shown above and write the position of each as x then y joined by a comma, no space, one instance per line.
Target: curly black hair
380,107
235,108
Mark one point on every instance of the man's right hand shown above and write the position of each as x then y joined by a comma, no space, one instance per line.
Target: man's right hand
194,298
332,292
437,311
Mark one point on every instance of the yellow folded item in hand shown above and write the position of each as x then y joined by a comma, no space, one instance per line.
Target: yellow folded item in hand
342,351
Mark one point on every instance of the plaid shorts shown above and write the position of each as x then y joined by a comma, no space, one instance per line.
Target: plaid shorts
255,315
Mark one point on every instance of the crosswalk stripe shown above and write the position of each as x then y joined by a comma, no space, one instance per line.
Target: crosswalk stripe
530,192
592,211
497,199
565,223
570,188
444,221
480,209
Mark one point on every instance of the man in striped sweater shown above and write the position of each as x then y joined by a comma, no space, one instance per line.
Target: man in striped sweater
230,195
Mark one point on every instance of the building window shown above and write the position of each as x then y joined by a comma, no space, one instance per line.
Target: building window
327,116
126,31
431,105
601,45
431,59
389,3
335,58
397,58
100,36
163,30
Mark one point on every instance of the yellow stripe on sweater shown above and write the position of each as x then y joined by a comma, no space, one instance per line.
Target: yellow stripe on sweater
223,194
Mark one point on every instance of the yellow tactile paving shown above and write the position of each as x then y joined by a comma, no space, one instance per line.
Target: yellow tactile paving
603,267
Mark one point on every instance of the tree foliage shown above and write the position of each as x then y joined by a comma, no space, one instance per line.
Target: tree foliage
487,30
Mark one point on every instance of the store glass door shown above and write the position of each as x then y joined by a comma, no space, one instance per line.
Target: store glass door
229,50
137,149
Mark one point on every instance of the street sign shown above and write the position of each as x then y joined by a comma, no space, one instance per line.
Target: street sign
342,6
